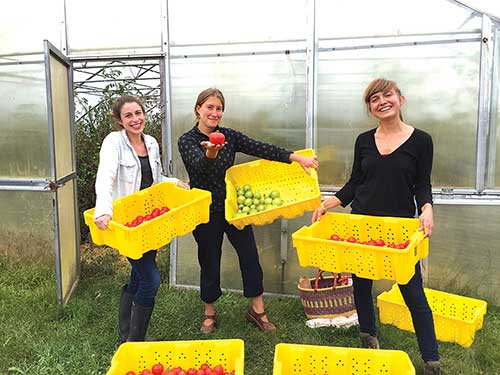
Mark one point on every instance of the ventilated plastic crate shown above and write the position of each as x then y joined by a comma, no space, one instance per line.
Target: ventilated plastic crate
456,318
298,190
292,359
137,356
314,248
188,208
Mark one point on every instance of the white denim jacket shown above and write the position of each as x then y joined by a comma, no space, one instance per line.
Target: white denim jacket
119,171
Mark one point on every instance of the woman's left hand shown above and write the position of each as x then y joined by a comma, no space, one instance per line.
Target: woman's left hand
305,162
183,185
427,220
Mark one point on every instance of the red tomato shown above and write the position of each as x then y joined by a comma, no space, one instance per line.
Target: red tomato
391,245
128,224
192,371
148,217
156,212
146,372
380,243
219,369
200,372
217,138
139,219
134,223
204,367
167,372
406,244
372,243
351,240
335,237
130,373
164,210
157,369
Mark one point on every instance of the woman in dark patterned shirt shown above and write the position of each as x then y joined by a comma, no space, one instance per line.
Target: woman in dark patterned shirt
391,176
206,164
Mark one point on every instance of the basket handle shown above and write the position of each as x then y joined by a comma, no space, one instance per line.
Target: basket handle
337,279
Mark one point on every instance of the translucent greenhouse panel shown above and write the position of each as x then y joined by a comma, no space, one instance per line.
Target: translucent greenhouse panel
26,225
440,83
236,21
265,97
107,27
463,251
23,27
61,118
24,132
362,18
267,237
68,252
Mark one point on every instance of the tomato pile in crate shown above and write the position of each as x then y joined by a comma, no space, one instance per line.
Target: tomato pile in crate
182,210
211,357
293,359
362,257
283,190
456,318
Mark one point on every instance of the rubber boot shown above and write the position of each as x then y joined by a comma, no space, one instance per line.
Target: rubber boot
139,322
124,312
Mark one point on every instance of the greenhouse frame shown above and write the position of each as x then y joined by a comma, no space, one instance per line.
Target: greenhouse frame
296,80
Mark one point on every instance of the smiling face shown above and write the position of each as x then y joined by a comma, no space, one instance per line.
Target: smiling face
386,105
132,118
209,114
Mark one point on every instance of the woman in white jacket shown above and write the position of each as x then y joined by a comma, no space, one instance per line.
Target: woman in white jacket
129,161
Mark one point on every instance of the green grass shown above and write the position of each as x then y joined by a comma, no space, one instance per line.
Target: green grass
37,337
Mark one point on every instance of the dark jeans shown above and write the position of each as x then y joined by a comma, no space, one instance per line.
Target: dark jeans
414,297
209,238
144,279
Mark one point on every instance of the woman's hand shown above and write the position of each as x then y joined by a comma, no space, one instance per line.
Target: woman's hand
212,149
328,203
305,162
426,220
318,212
102,221
183,185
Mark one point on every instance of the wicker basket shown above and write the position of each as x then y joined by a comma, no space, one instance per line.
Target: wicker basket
327,297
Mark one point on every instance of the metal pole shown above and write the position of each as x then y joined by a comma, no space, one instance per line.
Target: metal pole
311,75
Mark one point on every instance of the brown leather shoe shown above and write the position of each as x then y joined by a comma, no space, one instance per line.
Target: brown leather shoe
206,329
256,318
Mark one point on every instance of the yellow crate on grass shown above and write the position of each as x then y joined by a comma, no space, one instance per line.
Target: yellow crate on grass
293,359
299,192
137,356
314,247
456,318
188,208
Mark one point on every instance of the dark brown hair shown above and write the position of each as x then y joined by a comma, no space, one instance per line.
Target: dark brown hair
380,85
207,93
119,103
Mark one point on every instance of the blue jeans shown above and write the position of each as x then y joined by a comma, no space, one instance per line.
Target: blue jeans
414,297
209,238
144,279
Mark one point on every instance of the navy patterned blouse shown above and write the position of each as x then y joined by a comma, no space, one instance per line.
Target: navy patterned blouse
208,174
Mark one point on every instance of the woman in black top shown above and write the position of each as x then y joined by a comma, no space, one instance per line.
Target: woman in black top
206,164
391,172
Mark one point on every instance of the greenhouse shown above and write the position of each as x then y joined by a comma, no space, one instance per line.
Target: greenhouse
293,74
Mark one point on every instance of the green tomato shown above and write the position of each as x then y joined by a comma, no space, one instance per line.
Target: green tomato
257,195
256,201
241,199
253,211
246,188
274,194
245,209
268,201
277,201
248,194
261,207
248,202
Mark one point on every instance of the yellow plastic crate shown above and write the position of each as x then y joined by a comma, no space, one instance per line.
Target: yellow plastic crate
137,356
298,190
314,248
456,318
291,359
188,208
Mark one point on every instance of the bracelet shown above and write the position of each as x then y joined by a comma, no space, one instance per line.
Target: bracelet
322,205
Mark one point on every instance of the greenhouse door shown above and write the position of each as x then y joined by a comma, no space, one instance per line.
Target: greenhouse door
58,72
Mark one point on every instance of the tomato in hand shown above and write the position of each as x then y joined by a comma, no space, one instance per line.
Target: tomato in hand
217,138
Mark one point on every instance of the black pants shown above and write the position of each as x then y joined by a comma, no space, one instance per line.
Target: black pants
209,238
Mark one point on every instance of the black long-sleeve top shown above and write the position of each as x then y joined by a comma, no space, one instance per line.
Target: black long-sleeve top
389,185
208,174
